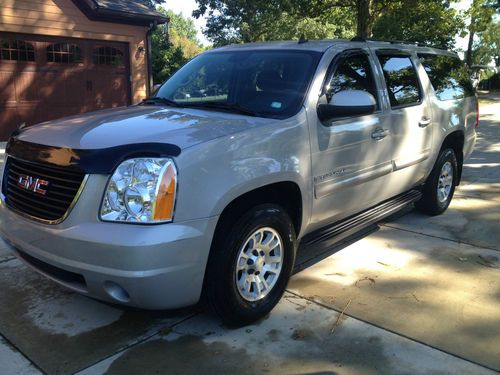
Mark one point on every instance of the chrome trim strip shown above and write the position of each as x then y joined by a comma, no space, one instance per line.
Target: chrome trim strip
402,163
328,187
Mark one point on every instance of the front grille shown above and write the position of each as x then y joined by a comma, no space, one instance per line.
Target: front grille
63,186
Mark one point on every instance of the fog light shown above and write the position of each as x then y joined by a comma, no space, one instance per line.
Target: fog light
116,291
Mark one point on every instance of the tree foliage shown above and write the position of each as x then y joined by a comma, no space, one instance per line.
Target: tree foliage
482,22
170,52
431,22
487,48
236,21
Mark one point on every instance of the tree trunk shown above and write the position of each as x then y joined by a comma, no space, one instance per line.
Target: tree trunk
364,21
468,54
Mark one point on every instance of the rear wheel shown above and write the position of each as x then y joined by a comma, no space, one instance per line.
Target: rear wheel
250,264
440,185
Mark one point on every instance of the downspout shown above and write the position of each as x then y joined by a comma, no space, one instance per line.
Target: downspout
149,57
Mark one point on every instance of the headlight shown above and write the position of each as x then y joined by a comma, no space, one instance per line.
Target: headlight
141,190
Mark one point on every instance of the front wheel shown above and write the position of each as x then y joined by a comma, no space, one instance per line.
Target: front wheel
440,185
250,264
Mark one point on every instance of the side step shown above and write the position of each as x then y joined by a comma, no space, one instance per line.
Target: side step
336,232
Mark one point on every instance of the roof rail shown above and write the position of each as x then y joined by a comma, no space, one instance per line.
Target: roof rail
361,39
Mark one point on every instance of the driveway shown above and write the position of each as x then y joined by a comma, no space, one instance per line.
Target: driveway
414,295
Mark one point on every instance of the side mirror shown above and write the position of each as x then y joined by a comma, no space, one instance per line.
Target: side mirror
347,103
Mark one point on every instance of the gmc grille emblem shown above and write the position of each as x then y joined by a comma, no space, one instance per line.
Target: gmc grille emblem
32,184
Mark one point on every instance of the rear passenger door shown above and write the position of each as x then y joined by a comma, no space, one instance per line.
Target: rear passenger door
411,118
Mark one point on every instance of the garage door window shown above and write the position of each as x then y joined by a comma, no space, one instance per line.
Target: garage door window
64,53
107,56
16,50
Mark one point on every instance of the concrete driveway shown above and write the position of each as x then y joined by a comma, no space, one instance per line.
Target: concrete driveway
417,295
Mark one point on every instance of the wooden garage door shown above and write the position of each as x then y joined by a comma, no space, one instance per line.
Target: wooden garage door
47,78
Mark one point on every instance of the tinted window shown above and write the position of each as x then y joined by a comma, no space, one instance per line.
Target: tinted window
352,73
448,76
267,83
401,80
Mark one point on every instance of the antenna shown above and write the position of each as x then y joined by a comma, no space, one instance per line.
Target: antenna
302,39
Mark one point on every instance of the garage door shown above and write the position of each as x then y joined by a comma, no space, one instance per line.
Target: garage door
47,78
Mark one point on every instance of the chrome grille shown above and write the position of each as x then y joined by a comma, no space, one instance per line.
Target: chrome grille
53,204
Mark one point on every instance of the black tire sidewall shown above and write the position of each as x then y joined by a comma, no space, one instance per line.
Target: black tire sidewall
226,300
430,203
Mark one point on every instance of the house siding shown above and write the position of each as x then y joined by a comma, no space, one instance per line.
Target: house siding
62,18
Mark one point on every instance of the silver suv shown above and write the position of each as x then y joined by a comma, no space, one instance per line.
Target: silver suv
249,153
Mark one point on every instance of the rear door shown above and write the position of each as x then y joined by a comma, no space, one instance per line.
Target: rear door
410,118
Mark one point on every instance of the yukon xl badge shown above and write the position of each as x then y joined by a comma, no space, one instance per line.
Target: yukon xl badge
32,184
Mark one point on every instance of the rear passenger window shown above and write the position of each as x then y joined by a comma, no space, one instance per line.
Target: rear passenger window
401,80
352,73
448,76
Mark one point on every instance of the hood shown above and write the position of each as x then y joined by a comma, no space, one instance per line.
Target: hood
183,127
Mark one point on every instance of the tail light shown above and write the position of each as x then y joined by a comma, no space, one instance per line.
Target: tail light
477,114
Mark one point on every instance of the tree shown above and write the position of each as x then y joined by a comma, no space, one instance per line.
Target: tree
430,22
481,15
487,48
235,21
170,52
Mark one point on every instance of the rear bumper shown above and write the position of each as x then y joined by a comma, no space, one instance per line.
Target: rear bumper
146,266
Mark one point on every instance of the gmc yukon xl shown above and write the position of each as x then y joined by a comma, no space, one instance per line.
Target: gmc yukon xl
206,190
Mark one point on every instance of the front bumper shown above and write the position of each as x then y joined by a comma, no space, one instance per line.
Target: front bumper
146,266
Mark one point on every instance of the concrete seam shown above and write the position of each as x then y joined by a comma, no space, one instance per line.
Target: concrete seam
391,331
138,342
7,259
13,346
441,238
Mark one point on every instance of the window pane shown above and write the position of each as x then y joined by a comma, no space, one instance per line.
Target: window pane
401,80
448,76
353,73
271,83
107,56
16,50
64,53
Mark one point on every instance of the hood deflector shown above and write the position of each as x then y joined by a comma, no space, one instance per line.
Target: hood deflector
98,161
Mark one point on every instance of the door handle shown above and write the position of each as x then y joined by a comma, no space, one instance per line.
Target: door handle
424,122
379,133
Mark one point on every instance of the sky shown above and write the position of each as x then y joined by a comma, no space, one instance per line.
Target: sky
186,7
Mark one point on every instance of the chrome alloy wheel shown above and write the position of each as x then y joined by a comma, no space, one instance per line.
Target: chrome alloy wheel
445,182
258,265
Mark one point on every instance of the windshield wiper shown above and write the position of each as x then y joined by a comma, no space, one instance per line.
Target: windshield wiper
236,108
158,99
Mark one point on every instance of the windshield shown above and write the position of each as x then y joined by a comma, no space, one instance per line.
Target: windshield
260,83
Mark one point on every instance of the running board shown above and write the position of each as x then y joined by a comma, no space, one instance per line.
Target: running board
336,232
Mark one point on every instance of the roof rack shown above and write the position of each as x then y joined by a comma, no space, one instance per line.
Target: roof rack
361,39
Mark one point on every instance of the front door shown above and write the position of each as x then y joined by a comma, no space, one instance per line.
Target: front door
351,156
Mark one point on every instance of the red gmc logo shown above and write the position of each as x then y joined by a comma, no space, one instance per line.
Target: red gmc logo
32,184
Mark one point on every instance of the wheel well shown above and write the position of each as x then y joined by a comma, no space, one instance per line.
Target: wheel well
455,141
285,194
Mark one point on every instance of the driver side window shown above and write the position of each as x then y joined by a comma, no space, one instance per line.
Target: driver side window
353,72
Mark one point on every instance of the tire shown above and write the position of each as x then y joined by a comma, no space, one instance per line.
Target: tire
440,185
233,242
